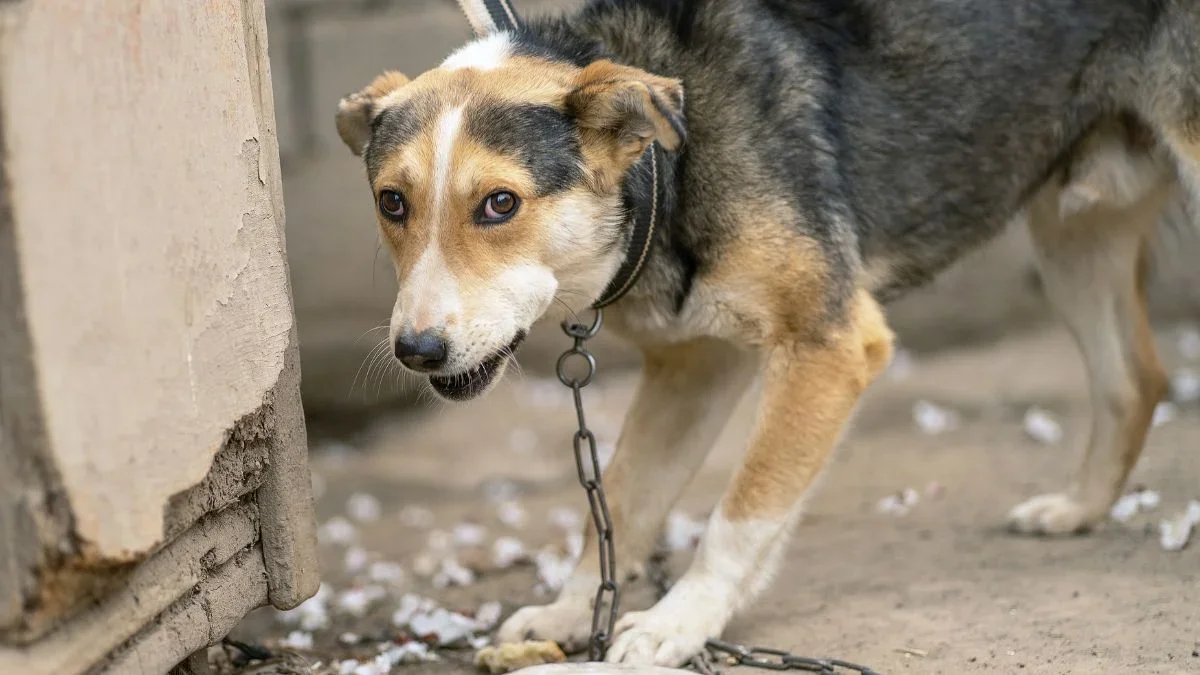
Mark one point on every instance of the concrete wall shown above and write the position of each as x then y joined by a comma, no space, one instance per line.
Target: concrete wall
148,364
343,279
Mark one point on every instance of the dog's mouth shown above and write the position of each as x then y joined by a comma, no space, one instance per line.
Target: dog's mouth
470,384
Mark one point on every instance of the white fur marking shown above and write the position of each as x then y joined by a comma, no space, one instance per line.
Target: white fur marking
443,152
488,53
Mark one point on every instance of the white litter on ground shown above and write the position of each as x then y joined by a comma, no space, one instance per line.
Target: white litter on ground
1131,504
337,531
355,559
682,532
901,365
410,605
297,639
487,616
512,514
500,490
508,551
1185,386
566,519
900,503
1164,412
452,573
469,534
363,507
1189,343
312,614
386,572
407,653
356,601
553,569
933,419
523,440
347,667
1174,534
425,565
1041,426
416,516
349,639
439,541
444,626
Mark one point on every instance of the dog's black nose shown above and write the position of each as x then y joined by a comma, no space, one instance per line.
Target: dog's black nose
424,351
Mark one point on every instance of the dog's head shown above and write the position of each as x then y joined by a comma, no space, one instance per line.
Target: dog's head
496,179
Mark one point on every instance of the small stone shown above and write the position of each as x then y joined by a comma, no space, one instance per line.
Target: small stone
363,507
1041,426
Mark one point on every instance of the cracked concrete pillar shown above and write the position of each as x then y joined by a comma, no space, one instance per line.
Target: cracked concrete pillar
154,484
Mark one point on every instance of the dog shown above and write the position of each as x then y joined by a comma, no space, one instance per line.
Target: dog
804,163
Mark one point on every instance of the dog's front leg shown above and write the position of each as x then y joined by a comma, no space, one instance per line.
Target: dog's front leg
810,389
685,398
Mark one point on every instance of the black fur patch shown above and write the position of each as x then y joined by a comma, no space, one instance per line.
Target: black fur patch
391,128
544,139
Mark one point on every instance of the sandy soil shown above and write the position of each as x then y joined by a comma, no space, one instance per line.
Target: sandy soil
944,581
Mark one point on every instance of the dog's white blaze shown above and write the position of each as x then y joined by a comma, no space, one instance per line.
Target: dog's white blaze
443,153
430,295
488,53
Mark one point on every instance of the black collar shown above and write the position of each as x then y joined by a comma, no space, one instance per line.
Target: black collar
643,193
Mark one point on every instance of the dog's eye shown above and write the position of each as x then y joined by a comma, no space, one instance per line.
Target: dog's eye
391,203
499,207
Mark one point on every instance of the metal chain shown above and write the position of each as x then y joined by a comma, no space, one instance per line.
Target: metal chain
587,462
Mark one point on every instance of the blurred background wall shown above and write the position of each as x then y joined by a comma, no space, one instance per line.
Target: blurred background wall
343,282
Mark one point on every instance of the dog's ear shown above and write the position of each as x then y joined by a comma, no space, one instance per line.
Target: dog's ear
489,16
356,111
627,109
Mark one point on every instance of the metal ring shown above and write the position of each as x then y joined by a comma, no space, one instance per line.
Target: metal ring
560,368
580,331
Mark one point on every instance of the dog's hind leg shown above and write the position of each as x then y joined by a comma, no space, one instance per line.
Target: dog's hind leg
810,388
1093,267
685,398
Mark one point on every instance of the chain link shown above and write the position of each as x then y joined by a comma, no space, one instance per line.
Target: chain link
608,594
587,462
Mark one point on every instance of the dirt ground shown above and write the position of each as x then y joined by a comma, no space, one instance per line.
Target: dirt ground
943,588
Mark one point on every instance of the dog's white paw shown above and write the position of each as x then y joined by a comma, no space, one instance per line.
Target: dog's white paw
1051,514
567,621
662,636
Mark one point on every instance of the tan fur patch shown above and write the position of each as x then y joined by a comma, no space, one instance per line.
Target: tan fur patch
809,392
355,111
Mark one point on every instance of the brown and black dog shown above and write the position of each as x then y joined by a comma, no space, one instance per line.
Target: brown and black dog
814,159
